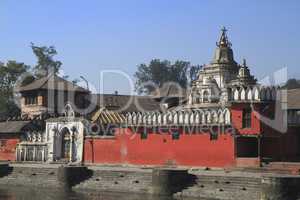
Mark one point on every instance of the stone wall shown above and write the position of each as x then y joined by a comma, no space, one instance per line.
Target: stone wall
118,180
223,187
50,176
246,186
33,177
180,183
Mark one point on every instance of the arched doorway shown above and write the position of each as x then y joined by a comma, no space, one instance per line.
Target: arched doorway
66,144
205,97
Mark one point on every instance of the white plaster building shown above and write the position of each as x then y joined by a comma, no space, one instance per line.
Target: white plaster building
65,139
62,141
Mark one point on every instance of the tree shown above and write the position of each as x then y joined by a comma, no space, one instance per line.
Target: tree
14,74
194,71
292,84
10,73
159,72
46,63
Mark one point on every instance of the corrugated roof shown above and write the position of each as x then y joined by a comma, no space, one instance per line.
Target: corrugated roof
127,103
293,99
108,117
13,126
52,83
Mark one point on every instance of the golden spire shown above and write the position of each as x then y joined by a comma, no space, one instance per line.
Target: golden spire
223,42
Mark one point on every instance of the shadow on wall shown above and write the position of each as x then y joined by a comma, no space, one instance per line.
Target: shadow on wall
170,181
5,170
69,176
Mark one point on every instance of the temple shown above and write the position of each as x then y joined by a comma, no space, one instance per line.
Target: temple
225,119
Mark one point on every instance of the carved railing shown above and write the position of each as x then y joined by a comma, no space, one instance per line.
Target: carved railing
190,117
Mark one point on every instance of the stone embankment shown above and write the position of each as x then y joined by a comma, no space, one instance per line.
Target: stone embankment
179,183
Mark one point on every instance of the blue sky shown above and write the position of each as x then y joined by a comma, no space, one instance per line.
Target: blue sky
95,35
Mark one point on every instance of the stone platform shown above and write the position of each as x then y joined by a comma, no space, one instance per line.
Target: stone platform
181,183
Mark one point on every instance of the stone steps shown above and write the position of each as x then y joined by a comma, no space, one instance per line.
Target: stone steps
228,184
216,194
223,179
117,181
113,183
223,187
268,169
39,177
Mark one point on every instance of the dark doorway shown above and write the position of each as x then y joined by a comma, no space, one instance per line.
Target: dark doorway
298,149
205,97
247,147
66,139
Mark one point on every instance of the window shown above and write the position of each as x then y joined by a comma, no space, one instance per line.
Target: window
205,96
175,135
110,130
31,100
213,136
247,118
144,134
2,143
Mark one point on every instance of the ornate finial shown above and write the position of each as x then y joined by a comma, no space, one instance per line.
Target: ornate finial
69,112
224,42
244,62
224,30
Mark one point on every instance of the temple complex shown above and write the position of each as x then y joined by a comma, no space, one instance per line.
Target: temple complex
223,120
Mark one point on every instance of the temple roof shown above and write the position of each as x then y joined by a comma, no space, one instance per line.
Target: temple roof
170,90
223,53
126,103
108,117
293,99
244,76
13,126
223,41
52,82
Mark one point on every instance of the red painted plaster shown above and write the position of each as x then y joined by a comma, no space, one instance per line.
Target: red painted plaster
8,151
237,119
160,149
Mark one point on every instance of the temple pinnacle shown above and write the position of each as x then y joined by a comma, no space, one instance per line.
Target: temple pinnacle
224,42
244,62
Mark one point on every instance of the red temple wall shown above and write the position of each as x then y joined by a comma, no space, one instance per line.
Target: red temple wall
8,148
237,119
161,149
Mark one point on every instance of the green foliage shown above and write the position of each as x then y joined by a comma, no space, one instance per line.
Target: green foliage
28,78
10,73
14,74
159,72
45,60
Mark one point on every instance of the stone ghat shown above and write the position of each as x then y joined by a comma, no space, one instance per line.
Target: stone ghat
27,176
179,183
118,180
223,187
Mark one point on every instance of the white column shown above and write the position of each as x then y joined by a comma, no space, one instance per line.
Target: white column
17,150
25,153
43,154
34,152
71,146
54,146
